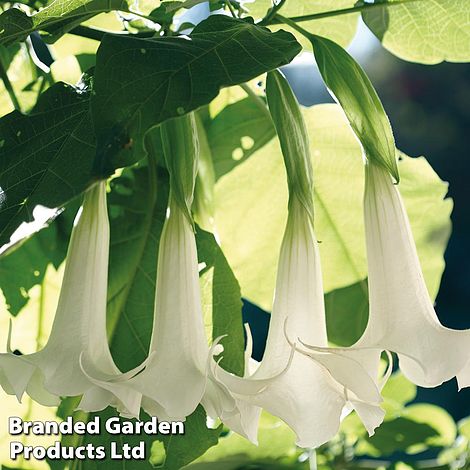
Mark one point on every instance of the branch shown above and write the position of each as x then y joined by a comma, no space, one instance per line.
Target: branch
9,87
98,34
272,13
345,11
256,99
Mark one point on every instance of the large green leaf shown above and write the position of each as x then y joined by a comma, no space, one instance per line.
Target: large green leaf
45,157
251,222
139,83
167,452
347,312
26,266
399,435
275,441
352,89
425,31
224,299
58,17
238,131
339,28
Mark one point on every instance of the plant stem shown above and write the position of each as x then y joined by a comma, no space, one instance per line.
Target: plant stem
230,7
98,34
9,87
257,100
290,22
328,14
272,13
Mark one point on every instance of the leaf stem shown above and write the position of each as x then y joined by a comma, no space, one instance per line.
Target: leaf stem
9,87
276,19
272,13
290,22
256,99
230,7
98,34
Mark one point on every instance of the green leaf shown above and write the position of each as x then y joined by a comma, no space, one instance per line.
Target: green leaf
338,28
140,83
181,450
176,451
250,223
237,132
399,389
137,207
45,157
353,90
57,18
436,417
25,266
275,441
347,312
464,427
399,435
225,305
203,205
424,31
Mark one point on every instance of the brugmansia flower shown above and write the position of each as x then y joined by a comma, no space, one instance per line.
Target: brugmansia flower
79,329
312,390
315,388
401,316
178,375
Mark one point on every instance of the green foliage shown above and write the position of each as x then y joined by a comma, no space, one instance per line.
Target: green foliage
250,223
428,32
62,137
340,28
222,300
26,265
237,132
57,18
45,157
173,76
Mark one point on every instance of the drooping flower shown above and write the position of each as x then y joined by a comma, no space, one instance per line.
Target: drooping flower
179,374
402,318
314,389
79,328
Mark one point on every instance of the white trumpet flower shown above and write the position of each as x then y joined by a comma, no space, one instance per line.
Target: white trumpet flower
174,380
310,395
402,318
177,376
79,328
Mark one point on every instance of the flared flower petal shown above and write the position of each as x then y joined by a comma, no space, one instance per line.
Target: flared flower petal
402,318
305,388
80,322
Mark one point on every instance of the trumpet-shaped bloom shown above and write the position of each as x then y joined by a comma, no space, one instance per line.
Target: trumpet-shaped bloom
401,316
177,376
310,395
79,328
